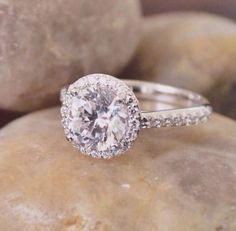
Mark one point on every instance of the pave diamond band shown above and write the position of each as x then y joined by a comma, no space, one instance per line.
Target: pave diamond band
177,107
102,115
176,118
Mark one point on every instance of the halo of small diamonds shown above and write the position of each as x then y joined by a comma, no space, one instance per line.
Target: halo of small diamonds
100,115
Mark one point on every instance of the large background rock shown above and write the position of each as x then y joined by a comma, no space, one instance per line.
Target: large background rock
47,44
189,50
181,179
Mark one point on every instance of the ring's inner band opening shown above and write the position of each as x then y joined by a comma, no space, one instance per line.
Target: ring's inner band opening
154,97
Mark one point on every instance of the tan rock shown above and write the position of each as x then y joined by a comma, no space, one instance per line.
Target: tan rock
47,44
191,50
181,179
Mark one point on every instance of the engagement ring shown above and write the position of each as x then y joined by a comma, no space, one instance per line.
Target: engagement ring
102,115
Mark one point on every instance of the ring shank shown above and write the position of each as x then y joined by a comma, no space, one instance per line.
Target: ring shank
172,106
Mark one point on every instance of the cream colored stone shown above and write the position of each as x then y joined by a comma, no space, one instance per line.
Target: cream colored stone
190,50
44,45
181,179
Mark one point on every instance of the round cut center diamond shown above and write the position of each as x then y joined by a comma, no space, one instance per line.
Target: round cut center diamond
100,115
99,119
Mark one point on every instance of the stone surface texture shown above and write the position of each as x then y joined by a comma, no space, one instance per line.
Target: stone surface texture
44,45
190,50
181,179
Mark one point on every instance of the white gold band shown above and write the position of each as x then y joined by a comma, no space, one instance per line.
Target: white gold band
171,106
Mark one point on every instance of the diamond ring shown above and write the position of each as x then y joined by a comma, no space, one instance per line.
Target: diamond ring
102,115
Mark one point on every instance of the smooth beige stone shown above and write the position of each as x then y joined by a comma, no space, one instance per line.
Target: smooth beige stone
44,45
181,179
191,50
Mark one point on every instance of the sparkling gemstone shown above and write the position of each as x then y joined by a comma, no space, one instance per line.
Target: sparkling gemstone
100,115
99,119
